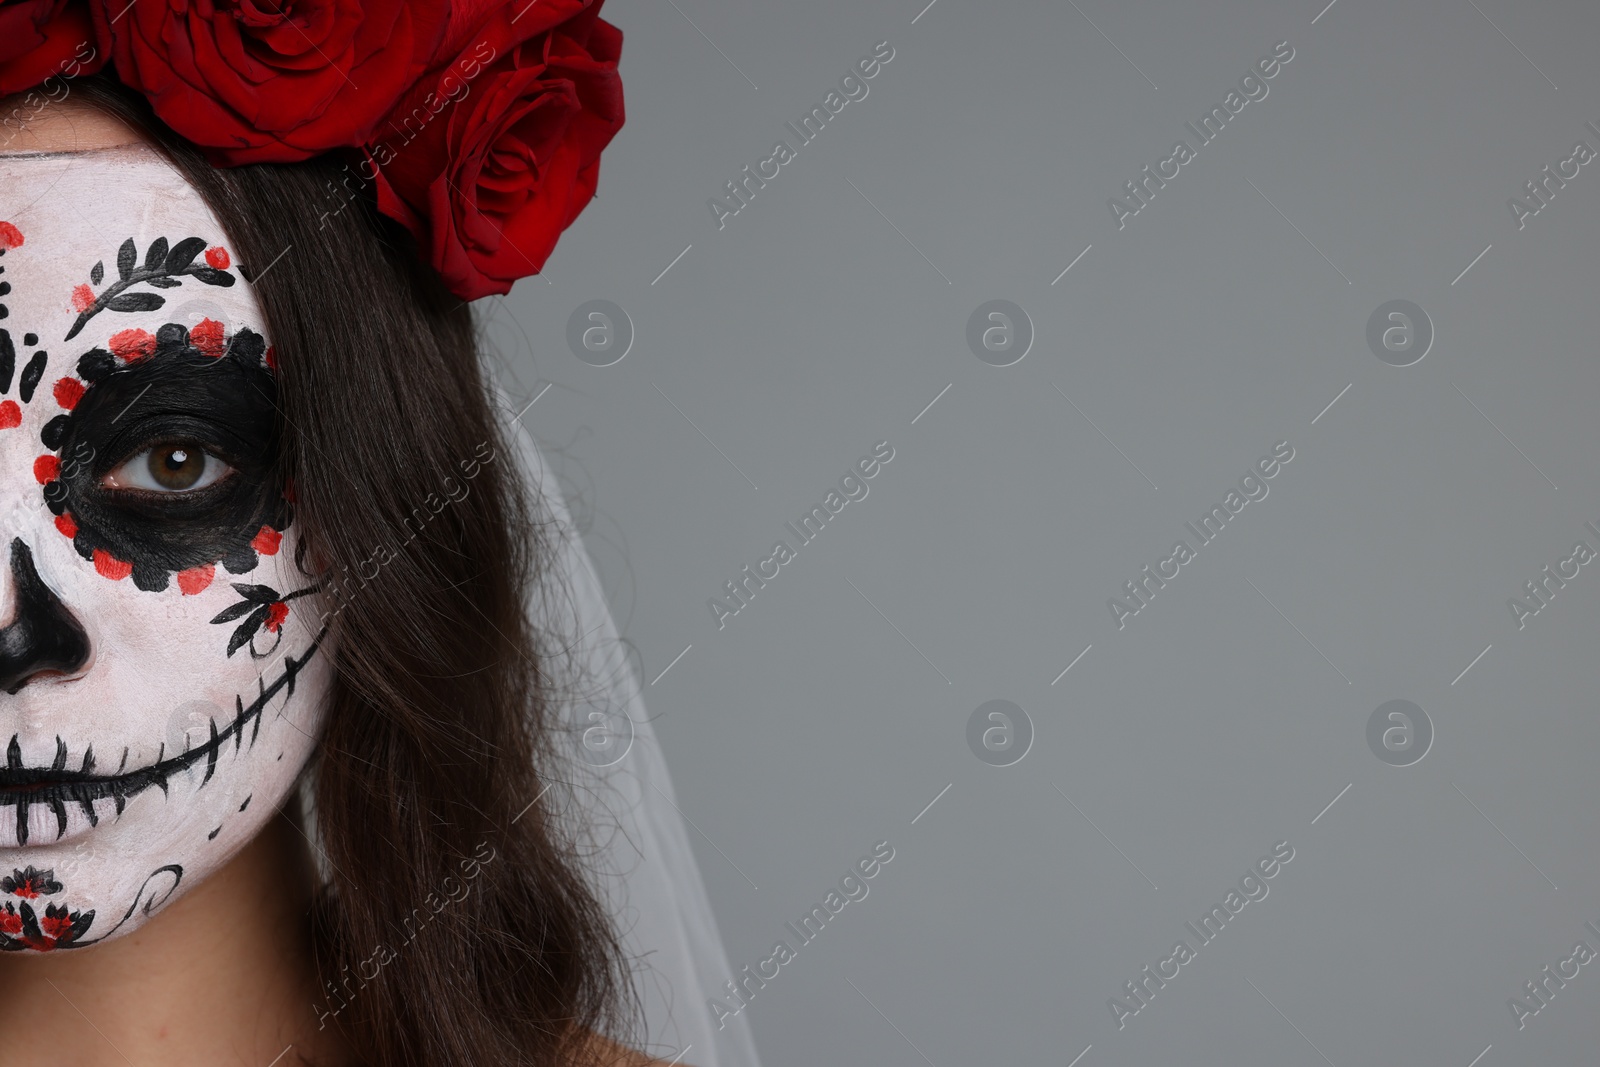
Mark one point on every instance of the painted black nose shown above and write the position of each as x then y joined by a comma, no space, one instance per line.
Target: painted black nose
44,635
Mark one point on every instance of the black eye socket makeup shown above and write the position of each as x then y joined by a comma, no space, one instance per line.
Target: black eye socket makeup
164,462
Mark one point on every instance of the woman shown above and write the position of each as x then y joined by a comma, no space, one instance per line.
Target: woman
266,544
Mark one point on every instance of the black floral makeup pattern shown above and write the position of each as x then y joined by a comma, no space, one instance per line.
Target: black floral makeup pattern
163,268
22,928
261,607
196,385
30,883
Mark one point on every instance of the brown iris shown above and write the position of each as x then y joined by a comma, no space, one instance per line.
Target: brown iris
177,466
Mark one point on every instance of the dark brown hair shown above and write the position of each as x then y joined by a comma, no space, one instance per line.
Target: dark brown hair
441,705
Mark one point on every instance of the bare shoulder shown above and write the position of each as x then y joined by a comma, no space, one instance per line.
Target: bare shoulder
604,1052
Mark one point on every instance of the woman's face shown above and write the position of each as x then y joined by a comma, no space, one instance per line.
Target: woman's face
160,682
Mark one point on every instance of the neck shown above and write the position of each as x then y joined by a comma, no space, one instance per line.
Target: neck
223,976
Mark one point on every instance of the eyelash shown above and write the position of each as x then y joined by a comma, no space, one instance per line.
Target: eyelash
213,470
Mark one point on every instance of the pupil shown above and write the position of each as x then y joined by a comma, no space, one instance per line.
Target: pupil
177,467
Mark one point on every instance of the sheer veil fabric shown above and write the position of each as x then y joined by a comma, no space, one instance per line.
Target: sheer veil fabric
619,796
614,795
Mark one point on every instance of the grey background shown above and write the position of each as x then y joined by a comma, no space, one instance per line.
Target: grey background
1192,340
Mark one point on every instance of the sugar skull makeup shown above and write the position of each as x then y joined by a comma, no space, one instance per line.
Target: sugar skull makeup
159,653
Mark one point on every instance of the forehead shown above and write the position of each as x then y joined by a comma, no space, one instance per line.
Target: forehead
64,213
133,183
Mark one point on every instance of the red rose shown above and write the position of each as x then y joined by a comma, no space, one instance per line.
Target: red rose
256,81
491,155
39,38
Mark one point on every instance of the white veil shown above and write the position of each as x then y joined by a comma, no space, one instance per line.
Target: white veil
620,797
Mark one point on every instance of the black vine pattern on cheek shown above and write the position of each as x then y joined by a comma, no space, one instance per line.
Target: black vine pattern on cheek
22,928
197,383
261,607
55,787
163,268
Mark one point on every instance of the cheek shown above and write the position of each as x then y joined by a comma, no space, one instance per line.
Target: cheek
214,641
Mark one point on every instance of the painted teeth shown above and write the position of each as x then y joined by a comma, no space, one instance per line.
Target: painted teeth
87,804
84,794
211,757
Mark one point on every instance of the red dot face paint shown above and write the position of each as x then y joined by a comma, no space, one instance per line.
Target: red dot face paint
195,580
148,541
109,566
68,391
207,336
266,541
132,345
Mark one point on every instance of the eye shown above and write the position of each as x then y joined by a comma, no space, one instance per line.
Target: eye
170,467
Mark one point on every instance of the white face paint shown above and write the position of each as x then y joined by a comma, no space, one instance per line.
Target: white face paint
161,685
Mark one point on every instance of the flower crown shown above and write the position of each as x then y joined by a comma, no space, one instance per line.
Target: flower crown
479,122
